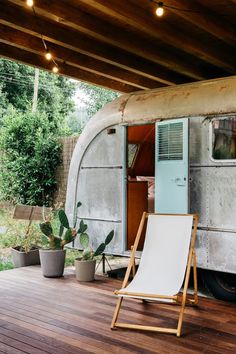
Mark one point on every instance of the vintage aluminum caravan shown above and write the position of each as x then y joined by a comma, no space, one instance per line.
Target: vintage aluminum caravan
171,150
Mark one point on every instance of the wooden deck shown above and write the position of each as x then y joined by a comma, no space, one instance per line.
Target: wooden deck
60,316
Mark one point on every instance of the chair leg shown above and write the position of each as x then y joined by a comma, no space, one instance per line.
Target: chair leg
184,298
181,314
116,313
195,302
133,265
133,269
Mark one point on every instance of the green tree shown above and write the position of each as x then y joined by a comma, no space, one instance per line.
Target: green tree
30,156
3,104
95,97
55,95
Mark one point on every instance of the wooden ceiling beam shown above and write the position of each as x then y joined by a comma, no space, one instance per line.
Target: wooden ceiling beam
23,19
62,12
135,17
34,44
38,61
205,19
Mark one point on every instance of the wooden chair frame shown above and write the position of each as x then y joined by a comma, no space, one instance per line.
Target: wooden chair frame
181,299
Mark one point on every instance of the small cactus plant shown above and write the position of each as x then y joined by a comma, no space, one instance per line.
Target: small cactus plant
64,237
68,235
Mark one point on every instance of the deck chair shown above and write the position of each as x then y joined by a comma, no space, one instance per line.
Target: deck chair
165,266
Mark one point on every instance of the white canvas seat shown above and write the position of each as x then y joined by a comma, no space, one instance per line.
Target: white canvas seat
164,266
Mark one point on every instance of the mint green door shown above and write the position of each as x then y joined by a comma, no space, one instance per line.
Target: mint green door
171,182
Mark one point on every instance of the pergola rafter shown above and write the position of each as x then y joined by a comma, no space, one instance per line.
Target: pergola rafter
122,44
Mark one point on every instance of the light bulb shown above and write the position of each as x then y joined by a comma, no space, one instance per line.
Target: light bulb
55,69
48,56
30,3
160,10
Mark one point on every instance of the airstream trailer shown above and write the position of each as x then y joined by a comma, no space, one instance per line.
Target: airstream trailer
170,150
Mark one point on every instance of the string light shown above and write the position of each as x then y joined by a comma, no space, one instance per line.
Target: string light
30,3
55,69
48,55
162,6
160,9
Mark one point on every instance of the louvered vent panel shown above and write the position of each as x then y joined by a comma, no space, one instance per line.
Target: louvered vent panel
170,142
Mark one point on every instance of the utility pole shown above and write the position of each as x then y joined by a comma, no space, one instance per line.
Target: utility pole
36,87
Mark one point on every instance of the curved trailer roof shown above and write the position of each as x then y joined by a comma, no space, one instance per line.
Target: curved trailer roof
212,97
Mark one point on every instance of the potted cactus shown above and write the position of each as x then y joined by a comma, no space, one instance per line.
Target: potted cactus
85,265
53,259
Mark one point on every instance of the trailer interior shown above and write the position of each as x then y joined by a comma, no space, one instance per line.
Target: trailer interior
140,177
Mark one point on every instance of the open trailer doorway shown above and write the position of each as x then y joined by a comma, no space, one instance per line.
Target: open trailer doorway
140,152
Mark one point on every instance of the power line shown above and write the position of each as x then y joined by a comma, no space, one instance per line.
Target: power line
19,78
13,74
13,78
25,83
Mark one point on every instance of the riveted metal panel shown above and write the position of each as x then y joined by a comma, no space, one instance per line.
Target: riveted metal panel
105,149
202,249
199,141
221,196
100,187
213,196
100,191
198,193
222,251
189,100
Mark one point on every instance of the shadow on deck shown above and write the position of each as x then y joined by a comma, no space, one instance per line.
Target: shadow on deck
39,315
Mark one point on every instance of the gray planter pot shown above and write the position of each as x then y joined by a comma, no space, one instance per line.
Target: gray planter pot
85,270
23,259
52,262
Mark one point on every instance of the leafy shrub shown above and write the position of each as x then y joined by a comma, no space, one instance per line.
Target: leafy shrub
30,155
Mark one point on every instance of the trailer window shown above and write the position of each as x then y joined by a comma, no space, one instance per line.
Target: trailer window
132,153
224,139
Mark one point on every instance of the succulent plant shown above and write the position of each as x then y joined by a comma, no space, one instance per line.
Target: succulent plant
64,237
67,234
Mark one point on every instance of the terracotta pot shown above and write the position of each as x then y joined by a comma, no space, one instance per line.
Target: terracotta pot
85,270
52,262
23,259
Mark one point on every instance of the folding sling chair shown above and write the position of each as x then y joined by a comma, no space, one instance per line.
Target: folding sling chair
165,265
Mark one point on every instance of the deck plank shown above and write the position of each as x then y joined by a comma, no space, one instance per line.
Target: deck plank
39,315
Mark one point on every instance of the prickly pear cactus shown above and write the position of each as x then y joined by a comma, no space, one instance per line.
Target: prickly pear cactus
58,242
82,227
63,219
84,240
87,254
46,228
68,237
100,250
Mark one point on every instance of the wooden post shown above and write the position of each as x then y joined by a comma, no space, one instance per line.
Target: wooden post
36,87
